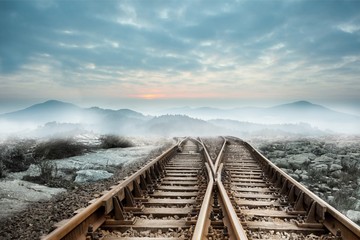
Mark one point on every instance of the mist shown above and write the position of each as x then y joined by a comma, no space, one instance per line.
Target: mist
60,119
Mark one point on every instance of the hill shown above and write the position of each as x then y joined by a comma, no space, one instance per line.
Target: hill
297,112
300,118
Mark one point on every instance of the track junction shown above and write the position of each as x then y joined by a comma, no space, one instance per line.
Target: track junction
198,191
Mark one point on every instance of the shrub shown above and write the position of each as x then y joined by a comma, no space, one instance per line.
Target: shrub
15,158
113,141
2,169
59,148
47,170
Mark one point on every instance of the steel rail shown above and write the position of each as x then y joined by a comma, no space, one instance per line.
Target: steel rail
200,230
208,158
334,220
238,230
81,217
220,156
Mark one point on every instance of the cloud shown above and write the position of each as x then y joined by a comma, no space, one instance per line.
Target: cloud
348,27
187,48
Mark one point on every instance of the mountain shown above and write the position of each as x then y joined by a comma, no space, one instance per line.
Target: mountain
48,111
296,112
202,112
62,112
300,118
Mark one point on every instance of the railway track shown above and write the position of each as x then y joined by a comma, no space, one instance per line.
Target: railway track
186,194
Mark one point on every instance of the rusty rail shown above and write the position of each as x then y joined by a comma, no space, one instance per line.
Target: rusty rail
199,232
213,166
233,218
237,229
317,210
208,158
220,155
94,214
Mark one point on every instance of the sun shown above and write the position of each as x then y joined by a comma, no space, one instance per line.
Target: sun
151,96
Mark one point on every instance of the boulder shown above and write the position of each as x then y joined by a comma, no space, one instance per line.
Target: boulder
335,167
304,177
294,176
336,174
320,167
279,154
91,175
281,162
353,215
323,160
298,161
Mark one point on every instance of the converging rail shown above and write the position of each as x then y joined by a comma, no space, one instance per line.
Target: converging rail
186,194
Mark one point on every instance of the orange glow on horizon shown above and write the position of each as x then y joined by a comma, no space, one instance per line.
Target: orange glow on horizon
154,96
151,96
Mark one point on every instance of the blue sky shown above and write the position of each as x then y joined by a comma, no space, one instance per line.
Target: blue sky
172,53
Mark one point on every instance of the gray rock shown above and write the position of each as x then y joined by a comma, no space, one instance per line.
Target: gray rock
16,195
357,205
336,174
298,161
281,162
279,154
323,160
288,171
324,188
304,177
294,176
335,167
353,215
91,175
320,167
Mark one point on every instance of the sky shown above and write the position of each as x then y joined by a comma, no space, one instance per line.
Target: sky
148,54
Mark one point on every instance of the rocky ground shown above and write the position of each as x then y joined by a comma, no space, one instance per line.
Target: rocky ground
37,207
213,145
330,167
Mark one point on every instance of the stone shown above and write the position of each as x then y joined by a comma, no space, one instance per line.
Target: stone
89,175
304,177
324,188
294,176
279,154
336,174
353,215
281,162
320,167
335,167
323,159
298,161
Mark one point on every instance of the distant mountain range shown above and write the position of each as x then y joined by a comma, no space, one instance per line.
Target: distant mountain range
296,112
58,111
301,118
